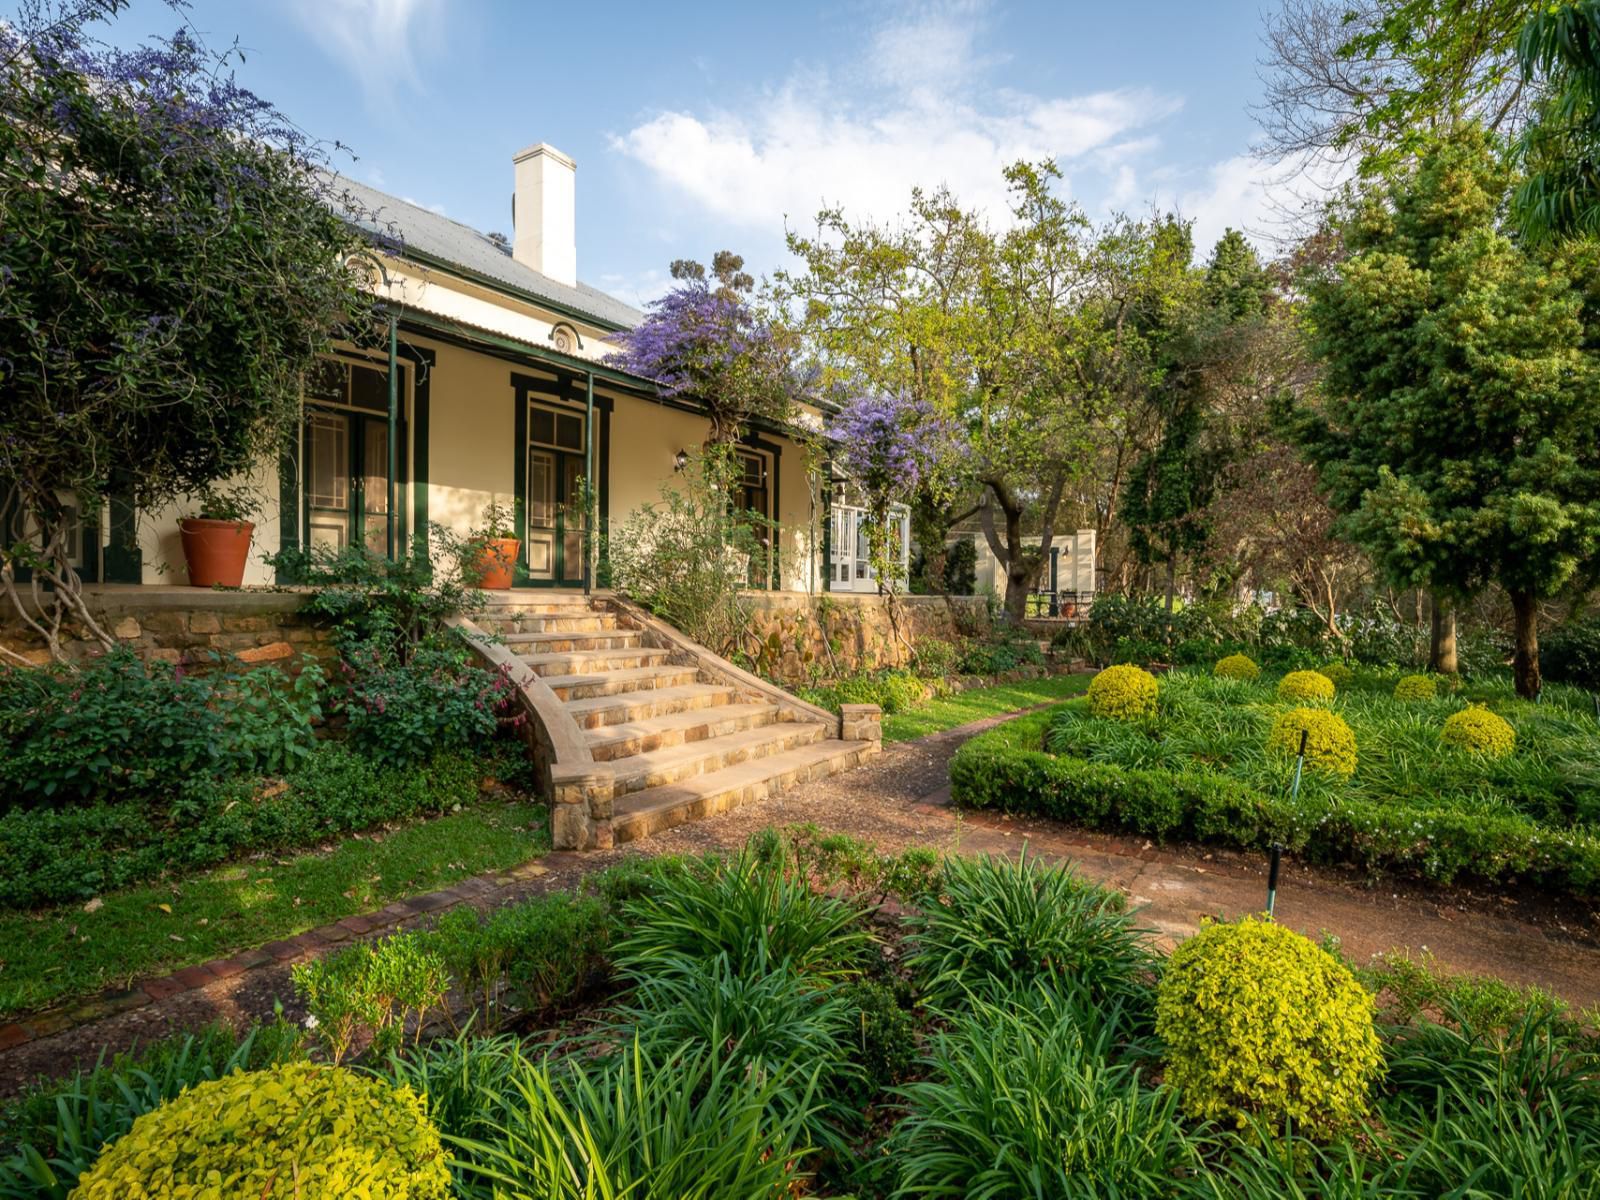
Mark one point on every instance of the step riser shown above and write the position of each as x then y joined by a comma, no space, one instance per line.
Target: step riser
551,623
566,643
618,687
643,708
789,736
709,728
584,666
633,826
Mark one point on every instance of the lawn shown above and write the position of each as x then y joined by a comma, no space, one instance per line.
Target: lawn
947,712
66,952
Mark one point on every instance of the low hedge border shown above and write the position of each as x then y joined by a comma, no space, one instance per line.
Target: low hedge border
1004,770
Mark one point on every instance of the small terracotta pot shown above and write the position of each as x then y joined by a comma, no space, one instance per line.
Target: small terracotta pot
216,550
497,564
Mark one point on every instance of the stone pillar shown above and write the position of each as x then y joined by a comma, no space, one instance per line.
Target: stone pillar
580,806
861,723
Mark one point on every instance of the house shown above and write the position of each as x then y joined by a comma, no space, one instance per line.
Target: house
493,389
1066,586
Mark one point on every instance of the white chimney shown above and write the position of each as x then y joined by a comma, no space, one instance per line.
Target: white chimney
544,213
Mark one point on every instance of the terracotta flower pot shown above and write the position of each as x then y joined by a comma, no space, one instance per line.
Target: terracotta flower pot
216,550
497,563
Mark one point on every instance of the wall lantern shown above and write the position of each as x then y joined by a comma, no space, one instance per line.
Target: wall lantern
680,460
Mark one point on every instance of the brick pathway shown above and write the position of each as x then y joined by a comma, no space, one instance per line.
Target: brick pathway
899,799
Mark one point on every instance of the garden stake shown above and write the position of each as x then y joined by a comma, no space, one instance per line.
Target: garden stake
1272,877
1299,765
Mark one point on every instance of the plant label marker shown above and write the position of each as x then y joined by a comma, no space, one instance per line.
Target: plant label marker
1299,765
1272,877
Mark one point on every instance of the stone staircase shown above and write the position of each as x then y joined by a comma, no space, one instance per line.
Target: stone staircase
680,740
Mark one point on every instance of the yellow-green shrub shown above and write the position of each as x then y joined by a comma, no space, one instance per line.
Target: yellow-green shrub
1338,674
1236,666
1330,745
1305,685
1416,687
1123,693
314,1132
1258,1019
1480,731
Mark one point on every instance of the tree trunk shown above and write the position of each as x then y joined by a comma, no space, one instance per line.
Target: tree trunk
1525,666
1172,587
1442,642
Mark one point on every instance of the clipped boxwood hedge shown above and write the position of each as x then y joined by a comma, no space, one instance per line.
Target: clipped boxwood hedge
1005,770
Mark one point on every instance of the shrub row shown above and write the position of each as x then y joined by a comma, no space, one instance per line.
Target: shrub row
1001,770
51,856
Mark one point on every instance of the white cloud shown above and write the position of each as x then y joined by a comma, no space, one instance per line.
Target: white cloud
374,40
1267,201
913,111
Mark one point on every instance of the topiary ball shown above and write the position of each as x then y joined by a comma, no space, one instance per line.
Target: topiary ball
1416,687
1338,674
1330,745
1479,731
315,1132
1123,693
1236,666
1305,685
1259,1020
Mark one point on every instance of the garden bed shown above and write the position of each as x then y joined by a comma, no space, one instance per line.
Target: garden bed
813,1017
1198,769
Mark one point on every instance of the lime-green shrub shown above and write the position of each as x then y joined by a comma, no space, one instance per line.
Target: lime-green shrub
1237,666
1416,687
1305,685
316,1132
1330,745
1123,693
1338,674
1480,731
1259,1020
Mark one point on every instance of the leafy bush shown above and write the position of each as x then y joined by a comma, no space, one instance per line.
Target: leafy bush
961,568
937,659
56,1130
1236,666
1002,926
1479,731
1021,1102
1330,745
1123,693
880,1034
54,855
1304,686
1570,653
1416,687
1338,673
832,860
893,691
692,1127
371,987
1259,1020
116,729
324,1131
402,710
753,911
1006,649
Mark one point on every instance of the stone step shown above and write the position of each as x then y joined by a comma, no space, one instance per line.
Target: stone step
588,662
532,598
671,764
550,622
598,712
612,742
639,814
615,683
562,643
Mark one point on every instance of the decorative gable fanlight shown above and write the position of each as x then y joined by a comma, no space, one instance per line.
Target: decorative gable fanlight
566,339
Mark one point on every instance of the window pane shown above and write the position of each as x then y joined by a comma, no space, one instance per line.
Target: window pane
543,430
375,466
369,389
327,476
326,381
569,432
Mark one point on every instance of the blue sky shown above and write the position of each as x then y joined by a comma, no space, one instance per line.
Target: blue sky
703,126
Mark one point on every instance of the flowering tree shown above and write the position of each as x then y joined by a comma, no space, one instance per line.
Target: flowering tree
171,262
704,340
891,445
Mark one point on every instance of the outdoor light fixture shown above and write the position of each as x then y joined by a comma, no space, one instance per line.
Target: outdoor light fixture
680,460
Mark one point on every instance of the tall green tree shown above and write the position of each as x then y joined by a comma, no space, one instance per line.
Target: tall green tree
1559,47
1455,433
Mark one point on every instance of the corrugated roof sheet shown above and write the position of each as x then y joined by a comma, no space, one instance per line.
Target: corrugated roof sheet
460,245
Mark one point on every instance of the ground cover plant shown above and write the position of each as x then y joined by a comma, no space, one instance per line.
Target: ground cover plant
1388,784
1007,1030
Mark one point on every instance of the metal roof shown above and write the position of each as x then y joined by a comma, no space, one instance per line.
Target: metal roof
431,235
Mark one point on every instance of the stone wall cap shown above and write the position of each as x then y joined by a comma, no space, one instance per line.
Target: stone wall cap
860,710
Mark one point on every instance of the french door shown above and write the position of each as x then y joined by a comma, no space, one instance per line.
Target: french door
553,515
346,480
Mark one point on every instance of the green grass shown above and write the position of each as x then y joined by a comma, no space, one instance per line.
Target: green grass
949,711
58,954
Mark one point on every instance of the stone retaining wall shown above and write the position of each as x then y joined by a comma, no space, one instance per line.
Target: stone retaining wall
795,638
